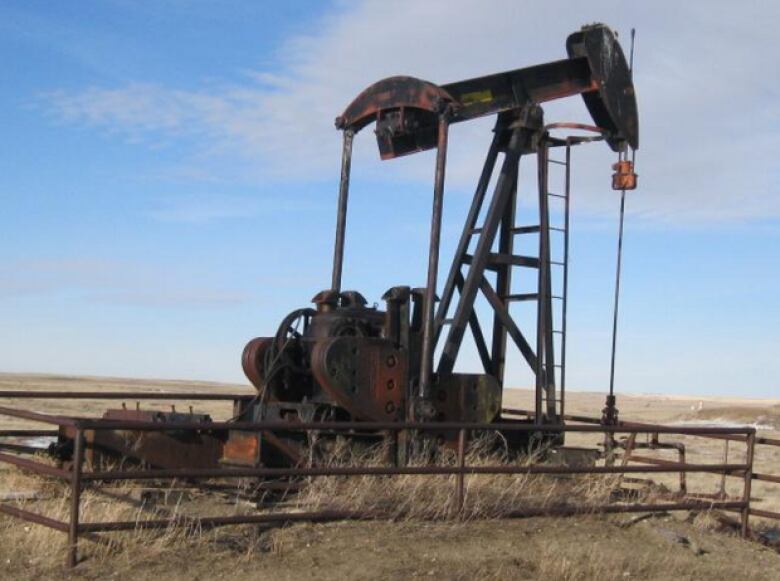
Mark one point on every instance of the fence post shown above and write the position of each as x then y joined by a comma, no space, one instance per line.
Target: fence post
683,476
398,455
75,498
461,471
722,491
749,455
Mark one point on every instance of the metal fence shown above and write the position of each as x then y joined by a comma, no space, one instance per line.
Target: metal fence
754,444
79,476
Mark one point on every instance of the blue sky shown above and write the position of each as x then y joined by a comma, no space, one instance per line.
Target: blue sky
168,180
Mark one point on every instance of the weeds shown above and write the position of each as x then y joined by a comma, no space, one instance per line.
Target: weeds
427,497
401,498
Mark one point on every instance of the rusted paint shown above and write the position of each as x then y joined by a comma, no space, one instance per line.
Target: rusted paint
169,449
242,449
624,177
367,377
253,360
392,93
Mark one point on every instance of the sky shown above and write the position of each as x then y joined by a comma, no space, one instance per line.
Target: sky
169,175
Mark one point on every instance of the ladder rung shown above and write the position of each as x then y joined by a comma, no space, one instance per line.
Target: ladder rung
476,231
447,321
468,259
557,332
557,263
556,161
557,229
522,297
525,229
557,195
557,297
513,259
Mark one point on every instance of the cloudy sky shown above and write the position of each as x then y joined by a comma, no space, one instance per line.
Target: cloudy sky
168,179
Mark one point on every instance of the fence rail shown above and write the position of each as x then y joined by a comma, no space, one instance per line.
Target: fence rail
751,440
78,478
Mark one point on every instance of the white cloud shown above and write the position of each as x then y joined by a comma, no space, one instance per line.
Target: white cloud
171,298
206,208
111,282
706,82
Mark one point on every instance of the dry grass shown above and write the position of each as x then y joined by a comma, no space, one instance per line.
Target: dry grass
41,548
400,498
425,497
418,539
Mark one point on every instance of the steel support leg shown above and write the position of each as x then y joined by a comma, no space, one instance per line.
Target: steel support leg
473,280
504,283
426,362
467,233
341,217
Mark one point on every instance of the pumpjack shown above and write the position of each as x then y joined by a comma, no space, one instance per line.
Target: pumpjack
344,360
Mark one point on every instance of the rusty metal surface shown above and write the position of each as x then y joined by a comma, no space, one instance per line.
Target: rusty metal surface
253,360
170,449
75,499
392,93
324,516
33,466
365,376
173,448
748,483
471,397
421,426
125,395
111,475
624,177
52,419
766,477
613,105
341,214
596,68
33,517
27,433
765,513
242,448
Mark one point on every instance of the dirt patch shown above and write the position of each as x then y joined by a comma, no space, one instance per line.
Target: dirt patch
587,548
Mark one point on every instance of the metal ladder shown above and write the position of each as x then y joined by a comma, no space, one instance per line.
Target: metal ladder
553,401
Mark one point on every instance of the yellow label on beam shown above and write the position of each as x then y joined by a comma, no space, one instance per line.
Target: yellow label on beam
477,97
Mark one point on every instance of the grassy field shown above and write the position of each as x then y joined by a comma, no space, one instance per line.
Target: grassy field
413,544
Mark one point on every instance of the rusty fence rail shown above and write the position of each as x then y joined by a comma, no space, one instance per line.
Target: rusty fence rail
751,441
125,395
78,478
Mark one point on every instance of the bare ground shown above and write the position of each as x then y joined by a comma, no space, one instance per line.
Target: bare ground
583,548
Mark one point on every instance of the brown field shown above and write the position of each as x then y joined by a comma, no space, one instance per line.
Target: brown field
678,546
